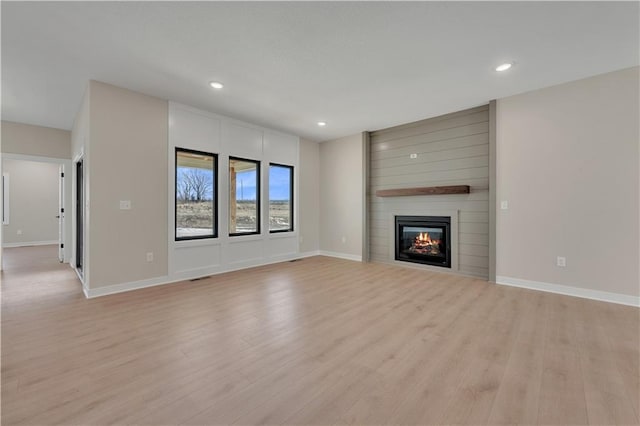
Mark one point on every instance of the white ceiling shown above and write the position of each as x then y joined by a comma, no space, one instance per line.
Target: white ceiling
286,65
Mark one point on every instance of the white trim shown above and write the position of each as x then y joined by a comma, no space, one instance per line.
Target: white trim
134,285
201,242
283,234
340,255
80,277
30,243
308,254
182,276
584,293
6,210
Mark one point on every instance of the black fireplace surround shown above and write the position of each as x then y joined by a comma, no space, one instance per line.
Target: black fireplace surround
424,239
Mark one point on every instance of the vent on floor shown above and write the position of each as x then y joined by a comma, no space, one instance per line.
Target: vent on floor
200,278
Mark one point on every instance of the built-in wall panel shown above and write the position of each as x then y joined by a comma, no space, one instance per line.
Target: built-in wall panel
193,257
197,130
244,250
281,245
449,150
280,148
242,140
203,131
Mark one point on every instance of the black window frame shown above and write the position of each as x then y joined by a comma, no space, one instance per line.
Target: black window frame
258,230
214,201
291,191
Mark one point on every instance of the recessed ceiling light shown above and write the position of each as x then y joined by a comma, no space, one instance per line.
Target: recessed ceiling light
504,67
216,85
322,123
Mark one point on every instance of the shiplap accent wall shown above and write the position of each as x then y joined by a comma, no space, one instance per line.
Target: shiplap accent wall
452,149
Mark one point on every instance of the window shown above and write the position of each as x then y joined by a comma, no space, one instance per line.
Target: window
280,198
244,196
196,194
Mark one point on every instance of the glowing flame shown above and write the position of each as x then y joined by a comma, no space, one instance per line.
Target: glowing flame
424,244
425,239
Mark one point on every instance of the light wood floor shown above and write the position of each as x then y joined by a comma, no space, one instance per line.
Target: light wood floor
317,341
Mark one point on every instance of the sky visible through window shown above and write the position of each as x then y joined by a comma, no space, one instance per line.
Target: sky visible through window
278,184
245,183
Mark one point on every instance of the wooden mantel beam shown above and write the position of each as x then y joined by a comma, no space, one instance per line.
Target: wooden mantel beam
426,190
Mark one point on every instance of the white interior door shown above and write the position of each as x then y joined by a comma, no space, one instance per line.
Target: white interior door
60,215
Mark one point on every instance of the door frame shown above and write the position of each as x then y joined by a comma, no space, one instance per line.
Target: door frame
66,163
62,212
79,217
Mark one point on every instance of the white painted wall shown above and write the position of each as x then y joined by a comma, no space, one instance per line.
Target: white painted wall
567,163
33,203
199,130
309,206
342,196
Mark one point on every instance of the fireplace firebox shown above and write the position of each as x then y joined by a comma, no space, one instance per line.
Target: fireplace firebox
424,239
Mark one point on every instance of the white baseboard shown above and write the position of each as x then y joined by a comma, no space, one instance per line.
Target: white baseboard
340,255
29,244
134,285
603,296
186,275
308,254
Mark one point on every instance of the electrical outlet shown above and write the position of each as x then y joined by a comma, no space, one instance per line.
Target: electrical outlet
301,239
561,261
413,156
125,205
149,257
344,239
504,205
19,232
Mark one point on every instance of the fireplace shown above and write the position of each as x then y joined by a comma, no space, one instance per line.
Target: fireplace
424,239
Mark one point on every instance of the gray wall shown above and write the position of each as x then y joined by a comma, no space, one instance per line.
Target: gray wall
451,150
33,203
309,203
25,139
128,161
568,167
341,196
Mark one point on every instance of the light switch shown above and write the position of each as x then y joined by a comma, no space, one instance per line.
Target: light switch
504,205
125,205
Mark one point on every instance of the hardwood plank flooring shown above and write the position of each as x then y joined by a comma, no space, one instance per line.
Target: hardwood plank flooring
317,341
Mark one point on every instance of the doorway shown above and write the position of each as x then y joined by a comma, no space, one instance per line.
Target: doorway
34,205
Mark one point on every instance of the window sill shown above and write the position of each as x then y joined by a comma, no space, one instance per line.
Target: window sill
197,242
282,234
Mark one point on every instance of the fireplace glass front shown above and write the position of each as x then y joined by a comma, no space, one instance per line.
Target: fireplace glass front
424,239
